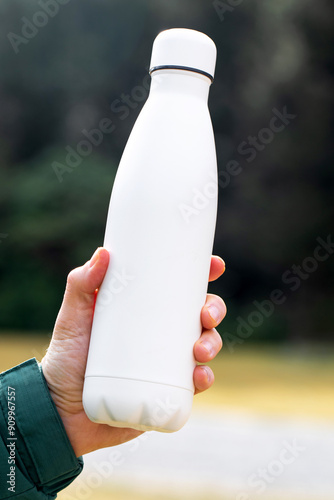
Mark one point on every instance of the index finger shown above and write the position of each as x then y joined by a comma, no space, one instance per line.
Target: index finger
217,267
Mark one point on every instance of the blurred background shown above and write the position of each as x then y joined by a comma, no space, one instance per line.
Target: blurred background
65,66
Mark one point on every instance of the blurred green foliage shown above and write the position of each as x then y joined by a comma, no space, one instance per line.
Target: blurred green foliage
86,61
52,228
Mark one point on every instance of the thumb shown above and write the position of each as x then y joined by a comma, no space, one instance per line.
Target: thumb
82,282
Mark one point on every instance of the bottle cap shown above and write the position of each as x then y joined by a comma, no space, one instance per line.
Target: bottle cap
186,49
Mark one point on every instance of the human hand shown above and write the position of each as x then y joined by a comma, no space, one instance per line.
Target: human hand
65,361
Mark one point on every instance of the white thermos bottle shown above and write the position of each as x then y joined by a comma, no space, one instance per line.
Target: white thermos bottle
159,233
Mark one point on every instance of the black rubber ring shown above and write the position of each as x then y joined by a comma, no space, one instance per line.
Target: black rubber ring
186,68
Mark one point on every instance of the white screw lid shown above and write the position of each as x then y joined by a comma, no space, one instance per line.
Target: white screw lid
184,49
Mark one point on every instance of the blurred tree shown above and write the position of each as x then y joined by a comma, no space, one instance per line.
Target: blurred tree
52,227
91,58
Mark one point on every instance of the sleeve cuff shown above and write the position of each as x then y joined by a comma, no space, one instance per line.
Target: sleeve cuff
42,442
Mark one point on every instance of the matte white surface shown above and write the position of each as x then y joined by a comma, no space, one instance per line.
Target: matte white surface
184,47
164,408
147,315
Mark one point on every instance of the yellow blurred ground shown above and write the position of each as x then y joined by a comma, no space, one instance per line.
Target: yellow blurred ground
120,494
272,381
266,380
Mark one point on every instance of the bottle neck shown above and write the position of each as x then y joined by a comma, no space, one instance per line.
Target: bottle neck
179,81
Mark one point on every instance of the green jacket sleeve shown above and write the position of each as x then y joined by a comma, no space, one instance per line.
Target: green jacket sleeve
36,456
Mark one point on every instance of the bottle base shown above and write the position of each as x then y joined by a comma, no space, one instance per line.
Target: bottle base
137,404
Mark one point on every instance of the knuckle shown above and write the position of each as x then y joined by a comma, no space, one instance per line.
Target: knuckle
73,276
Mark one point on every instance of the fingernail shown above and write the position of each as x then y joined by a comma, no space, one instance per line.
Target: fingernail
214,313
208,347
95,257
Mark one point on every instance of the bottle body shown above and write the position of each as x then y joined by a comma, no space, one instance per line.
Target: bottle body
159,233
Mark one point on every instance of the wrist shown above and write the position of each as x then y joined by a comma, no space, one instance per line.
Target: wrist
68,424
60,405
